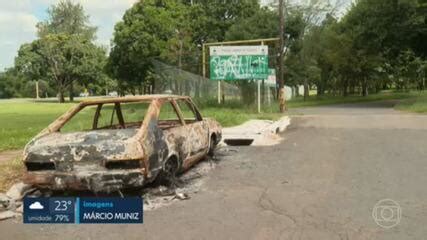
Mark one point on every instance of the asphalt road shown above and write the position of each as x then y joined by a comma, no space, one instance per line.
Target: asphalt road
322,182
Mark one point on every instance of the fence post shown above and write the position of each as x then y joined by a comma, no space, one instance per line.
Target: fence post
219,91
259,95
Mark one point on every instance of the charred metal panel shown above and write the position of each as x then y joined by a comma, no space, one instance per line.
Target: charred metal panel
155,147
84,147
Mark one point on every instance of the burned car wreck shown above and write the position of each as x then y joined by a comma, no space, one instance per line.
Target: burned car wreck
105,145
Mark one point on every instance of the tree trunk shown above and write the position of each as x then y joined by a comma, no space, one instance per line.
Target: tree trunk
71,89
61,98
345,89
322,82
320,90
306,89
352,89
364,88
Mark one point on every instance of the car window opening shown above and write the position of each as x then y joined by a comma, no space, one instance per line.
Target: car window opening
107,116
168,117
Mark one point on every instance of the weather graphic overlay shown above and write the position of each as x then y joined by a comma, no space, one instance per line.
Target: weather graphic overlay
49,210
83,210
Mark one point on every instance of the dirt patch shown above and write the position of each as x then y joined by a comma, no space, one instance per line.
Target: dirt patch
10,155
11,172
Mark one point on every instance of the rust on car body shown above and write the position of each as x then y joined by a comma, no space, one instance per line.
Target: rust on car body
124,154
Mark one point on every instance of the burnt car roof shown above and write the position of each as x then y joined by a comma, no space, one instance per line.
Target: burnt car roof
131,99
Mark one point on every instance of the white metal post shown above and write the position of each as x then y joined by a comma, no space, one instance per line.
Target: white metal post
219,92
37,89
268,96
259,96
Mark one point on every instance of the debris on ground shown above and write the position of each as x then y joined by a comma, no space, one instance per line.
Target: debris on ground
191,180
20,209
223,151
263,132
7,214
182,196
18,190
4,201
11,201
163,191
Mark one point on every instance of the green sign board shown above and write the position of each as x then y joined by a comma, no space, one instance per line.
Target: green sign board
239,63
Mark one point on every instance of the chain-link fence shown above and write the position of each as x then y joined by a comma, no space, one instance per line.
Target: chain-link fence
172,80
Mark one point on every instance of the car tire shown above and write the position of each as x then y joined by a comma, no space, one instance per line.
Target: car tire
168,175
212,146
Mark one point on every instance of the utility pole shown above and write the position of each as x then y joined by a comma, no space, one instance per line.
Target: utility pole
282,98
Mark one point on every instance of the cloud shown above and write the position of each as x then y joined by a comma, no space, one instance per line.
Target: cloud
36,206
17,26
103,14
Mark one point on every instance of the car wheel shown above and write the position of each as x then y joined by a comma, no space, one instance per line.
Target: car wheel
169,173
212,146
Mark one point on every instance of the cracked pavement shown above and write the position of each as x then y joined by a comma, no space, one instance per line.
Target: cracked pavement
321,182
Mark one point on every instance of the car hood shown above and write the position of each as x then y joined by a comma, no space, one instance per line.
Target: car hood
98,145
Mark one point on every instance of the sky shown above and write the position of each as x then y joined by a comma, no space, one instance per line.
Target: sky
18,19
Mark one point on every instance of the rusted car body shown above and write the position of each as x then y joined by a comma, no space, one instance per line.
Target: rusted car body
124,153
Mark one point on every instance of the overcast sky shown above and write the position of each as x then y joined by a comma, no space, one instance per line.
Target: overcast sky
18,19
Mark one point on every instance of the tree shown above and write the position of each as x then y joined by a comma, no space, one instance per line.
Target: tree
366,48
70,19
64,52
67,18
217,16
140,36
10,84
62,59
253,28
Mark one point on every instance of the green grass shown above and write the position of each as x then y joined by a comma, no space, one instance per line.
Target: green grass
234,112
417,104
22,119
327,100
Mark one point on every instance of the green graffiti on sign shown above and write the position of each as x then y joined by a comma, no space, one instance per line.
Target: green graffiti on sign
239,63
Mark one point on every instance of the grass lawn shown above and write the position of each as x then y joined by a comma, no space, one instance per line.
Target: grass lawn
326,100
22,120
235,113
417,104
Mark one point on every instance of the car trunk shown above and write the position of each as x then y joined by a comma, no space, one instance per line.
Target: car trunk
61,151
